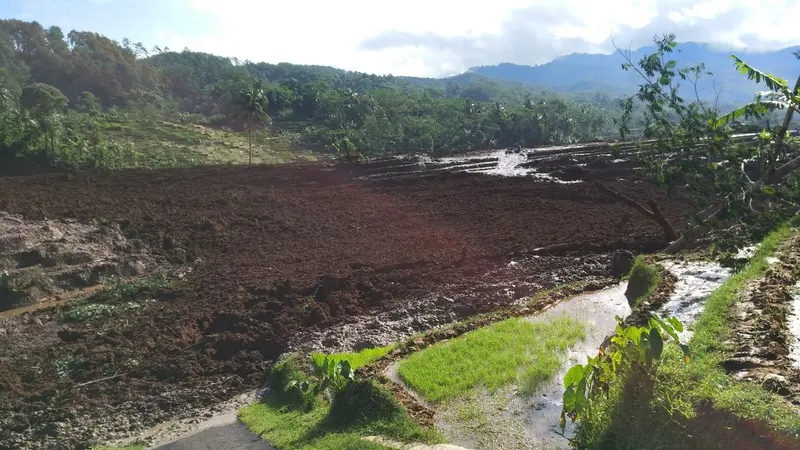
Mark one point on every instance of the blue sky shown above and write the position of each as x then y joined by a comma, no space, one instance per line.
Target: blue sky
148,21
418,37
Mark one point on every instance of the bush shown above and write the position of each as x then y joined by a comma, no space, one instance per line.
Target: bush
291,385
361,402
642,281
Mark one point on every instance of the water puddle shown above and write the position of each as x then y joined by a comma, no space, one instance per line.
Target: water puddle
696,281
793,324
598,310
509,420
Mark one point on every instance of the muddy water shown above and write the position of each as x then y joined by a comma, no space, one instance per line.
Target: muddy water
696,281
513,421
598,311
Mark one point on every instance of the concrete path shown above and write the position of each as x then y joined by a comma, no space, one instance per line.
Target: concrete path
228,436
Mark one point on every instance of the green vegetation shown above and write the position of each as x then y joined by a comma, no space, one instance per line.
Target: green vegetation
670,407
642,281
356,360
63,100
743,190
356,408
515,350
14,287
116,298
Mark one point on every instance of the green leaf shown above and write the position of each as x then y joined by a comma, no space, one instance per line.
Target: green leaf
772,82
344,369
569,398
574,375
633,334
769,190
656,343
675,323
325,365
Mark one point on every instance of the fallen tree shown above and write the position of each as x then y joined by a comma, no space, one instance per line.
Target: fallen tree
739,191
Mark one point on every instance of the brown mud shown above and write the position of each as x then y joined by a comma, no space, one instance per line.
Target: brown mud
762,337
288,252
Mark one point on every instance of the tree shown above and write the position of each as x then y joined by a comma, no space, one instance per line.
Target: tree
739,189
250,105
89,103
44,103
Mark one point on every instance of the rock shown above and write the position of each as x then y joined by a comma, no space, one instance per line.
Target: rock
330,342
444,301
621,263
397,314
3,332
70,335
465,310
363,345
132,268
776,383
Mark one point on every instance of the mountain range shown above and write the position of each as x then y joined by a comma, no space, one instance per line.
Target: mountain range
581,72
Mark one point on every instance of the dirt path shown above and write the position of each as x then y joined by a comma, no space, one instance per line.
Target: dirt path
230,435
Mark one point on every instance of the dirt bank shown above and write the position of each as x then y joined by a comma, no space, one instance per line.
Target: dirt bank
287,252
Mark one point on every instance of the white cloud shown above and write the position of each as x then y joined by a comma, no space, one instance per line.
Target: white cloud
436,38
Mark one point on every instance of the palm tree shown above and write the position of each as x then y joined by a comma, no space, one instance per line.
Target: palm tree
251,105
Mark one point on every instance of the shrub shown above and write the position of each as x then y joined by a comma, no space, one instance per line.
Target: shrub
642,281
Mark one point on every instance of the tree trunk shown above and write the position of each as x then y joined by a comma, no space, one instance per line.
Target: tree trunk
656,214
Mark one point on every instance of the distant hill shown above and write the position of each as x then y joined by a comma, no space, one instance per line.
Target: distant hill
580,72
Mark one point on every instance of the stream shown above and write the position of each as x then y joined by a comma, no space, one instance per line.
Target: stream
540,414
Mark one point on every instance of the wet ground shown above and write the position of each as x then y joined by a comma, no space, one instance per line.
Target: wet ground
509,420
696,280
766,330
292,256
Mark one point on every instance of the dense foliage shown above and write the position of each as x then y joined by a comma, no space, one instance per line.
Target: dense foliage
58,90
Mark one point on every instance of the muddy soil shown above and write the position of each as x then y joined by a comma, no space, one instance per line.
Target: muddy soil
288,252
44,259
764,341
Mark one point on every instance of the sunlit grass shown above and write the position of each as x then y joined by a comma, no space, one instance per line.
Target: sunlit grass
511,351
681,388
356,359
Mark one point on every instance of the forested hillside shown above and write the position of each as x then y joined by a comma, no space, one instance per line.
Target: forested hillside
69,100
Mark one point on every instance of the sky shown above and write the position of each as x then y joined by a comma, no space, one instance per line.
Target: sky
431,38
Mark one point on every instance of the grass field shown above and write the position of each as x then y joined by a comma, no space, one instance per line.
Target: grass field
512,351
190,144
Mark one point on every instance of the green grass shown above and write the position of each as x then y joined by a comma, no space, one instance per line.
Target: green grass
123,447
356,360
116,298
514,350
170,144
289,429
670,418
361,409
643,280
